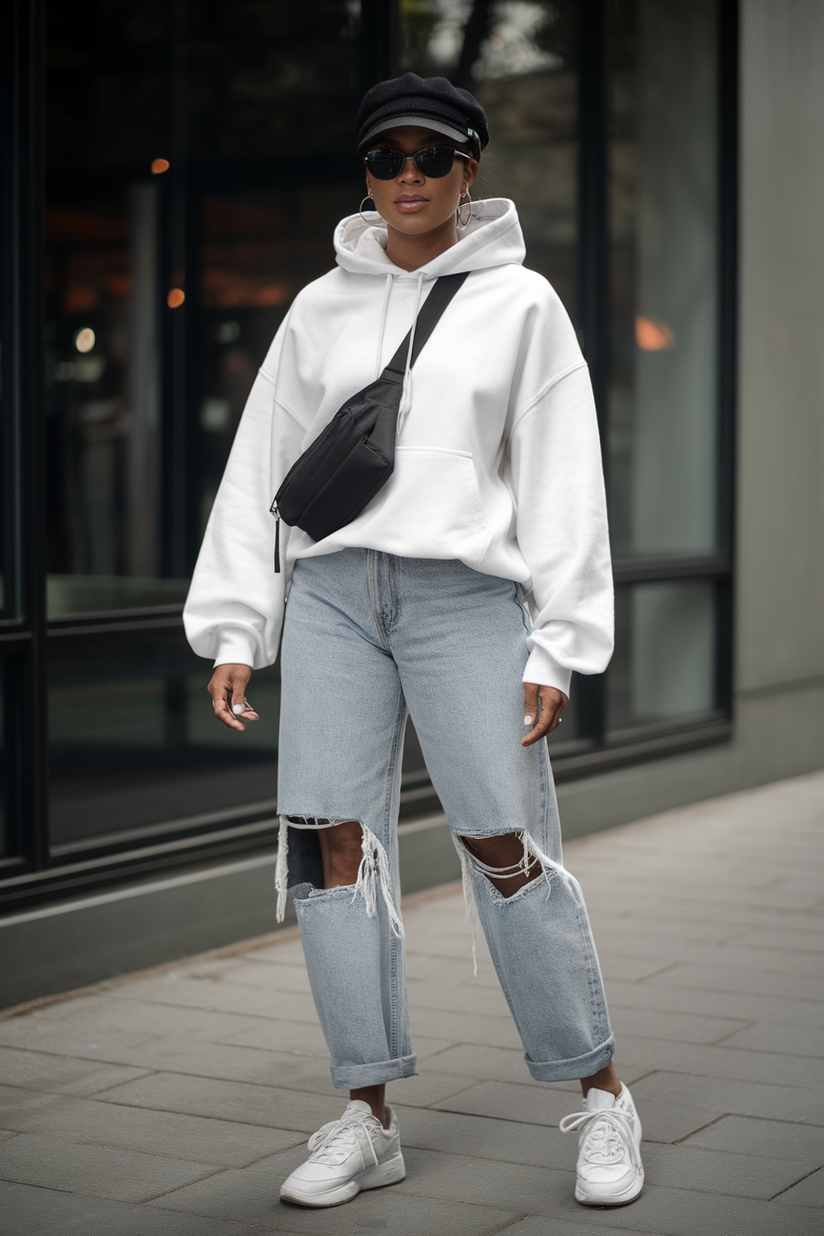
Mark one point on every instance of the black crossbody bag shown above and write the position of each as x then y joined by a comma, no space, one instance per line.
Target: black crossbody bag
354,456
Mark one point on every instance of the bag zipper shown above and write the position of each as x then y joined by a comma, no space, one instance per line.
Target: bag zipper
273,510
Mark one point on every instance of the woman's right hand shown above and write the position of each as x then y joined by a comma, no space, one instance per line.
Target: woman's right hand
228,690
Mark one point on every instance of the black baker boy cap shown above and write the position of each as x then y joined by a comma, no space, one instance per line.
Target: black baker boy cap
432,102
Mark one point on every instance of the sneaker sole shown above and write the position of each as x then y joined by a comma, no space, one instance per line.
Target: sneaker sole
388,1173
628,1195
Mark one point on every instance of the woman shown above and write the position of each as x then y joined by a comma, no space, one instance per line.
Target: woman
414,607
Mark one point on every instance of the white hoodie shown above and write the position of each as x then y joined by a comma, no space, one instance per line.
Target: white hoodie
497,459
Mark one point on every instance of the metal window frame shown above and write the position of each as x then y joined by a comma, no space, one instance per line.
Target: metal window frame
593,314
24,637
36,874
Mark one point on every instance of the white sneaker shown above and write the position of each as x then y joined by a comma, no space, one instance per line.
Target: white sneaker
347,1155
610,1171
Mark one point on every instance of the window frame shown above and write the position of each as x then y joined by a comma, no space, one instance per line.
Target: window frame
593,299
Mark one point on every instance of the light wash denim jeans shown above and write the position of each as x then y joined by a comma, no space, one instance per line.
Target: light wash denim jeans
370,638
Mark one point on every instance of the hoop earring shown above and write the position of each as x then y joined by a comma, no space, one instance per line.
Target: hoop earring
368,198
464,222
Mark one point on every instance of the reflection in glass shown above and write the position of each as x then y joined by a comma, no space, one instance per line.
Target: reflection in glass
134,743
87,594
663,219
108,115
520,61
7,606
135,750
5,847
259,248
186,205
103,402
664,665
9,601
170,263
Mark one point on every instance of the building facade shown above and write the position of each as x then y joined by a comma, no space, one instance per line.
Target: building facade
172,176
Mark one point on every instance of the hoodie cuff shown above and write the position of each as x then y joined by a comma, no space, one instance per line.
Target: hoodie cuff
541,668
236,647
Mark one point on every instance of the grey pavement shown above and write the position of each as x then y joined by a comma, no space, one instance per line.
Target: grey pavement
175,1101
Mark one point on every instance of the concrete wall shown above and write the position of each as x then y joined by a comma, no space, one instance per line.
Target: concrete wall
781,441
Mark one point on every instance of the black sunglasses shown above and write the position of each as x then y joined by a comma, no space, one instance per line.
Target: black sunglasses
433,161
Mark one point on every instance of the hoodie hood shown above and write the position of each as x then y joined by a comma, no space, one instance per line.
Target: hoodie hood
493,237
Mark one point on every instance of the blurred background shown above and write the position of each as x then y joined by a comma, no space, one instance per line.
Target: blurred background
172,176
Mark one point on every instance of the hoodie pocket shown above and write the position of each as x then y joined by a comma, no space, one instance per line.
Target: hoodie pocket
436,493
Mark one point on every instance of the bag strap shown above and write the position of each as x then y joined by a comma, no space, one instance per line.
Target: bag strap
430,314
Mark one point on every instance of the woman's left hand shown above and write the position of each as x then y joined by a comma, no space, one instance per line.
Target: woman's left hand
552,704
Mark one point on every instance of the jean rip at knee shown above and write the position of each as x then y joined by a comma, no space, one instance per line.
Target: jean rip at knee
374,877
477,875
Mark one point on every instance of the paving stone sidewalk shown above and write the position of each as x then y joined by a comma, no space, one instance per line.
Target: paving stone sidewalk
174,1102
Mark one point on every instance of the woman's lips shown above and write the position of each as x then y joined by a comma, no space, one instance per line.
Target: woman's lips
410,205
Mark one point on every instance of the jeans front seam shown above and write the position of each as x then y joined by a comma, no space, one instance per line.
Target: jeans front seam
596,991
372,568
393,589
395,943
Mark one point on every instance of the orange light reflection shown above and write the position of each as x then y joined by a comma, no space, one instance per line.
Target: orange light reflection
652,335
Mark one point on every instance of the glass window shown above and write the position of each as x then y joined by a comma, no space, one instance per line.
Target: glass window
8,451
15,802
135,751
663,389
110,134
8,606
664,669
6,847
195,163
520,62
134,745
7,488
198,159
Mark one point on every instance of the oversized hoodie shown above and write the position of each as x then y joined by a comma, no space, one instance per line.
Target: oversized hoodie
497,459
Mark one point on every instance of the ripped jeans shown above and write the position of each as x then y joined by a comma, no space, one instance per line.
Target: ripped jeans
369,639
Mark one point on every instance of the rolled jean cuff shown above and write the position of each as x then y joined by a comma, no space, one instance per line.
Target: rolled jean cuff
575,1068
354,1076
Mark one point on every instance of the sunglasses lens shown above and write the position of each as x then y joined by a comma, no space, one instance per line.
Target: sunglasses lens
436,161
384,164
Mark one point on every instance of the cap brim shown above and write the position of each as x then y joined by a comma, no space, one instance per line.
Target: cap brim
420,122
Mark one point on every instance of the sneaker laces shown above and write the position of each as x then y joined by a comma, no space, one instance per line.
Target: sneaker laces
605,1143
334,1142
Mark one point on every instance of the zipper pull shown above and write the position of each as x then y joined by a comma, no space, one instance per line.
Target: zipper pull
273,509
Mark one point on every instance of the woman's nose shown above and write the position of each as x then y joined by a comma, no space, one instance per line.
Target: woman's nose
409,172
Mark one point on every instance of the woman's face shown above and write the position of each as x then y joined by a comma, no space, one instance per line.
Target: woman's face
410,202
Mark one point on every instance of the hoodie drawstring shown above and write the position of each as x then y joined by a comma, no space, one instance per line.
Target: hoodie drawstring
387,292
406,394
